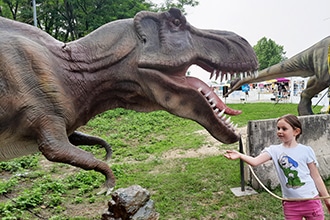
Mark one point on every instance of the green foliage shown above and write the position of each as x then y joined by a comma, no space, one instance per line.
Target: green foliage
263,111
21,163
153,133
69,20
12,9
6,186
92,14
29,199
177,4
84,181
45,191
268,53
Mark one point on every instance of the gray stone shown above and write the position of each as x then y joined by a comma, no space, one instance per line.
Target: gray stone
132,203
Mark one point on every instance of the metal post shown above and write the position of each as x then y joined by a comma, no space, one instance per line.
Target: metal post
241,191
241,166
34,13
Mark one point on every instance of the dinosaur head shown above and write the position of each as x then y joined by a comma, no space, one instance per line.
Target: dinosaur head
170,45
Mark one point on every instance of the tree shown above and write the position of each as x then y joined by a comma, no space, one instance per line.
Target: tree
14,9
76,18
67,20
177,4
268,53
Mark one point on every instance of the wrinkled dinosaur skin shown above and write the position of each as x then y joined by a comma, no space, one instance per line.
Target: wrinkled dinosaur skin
48,89
312,62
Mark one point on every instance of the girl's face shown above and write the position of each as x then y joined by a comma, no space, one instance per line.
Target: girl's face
285,132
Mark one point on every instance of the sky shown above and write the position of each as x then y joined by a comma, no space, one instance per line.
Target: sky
293,24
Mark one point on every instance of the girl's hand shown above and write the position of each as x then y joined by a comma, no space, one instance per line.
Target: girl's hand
232,154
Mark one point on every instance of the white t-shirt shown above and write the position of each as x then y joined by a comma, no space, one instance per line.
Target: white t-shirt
293,172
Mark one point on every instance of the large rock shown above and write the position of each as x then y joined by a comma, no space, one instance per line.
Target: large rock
132,203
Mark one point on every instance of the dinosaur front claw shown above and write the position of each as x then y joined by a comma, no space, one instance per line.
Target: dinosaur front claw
105,190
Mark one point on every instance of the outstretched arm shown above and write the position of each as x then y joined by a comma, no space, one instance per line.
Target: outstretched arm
253,161
319,183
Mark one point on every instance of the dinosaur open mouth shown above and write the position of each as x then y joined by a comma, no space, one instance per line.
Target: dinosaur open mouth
220,109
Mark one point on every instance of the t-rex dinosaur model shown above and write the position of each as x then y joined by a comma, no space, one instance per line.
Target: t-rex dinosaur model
48,89
312,62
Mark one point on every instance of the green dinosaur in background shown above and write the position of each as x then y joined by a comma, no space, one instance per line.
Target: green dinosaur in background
312,62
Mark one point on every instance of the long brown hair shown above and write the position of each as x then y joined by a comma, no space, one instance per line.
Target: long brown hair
293,121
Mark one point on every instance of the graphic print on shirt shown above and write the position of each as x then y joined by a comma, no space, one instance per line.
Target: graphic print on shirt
288,166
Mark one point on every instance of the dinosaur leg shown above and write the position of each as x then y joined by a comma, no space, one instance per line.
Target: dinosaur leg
78,138
313,87
56,147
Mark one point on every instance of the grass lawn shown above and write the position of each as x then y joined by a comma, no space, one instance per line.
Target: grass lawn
181,187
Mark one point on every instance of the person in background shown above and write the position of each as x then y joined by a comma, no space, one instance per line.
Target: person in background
296,167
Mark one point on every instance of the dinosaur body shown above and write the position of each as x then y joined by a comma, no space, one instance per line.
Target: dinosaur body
312,62
48,89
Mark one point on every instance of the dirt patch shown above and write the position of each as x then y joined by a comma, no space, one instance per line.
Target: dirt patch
211,148
205,150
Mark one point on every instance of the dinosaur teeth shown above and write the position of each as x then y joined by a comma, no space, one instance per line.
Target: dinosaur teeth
233,127
221,115
213,73
221,76
228,121
232,75
208,94
225,76
217,74
255,74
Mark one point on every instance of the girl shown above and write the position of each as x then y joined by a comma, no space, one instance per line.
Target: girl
296,166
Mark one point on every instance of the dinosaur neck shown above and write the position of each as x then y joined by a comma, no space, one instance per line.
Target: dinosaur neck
102,48
95,68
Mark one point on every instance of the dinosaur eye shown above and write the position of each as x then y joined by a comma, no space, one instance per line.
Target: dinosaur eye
177,22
